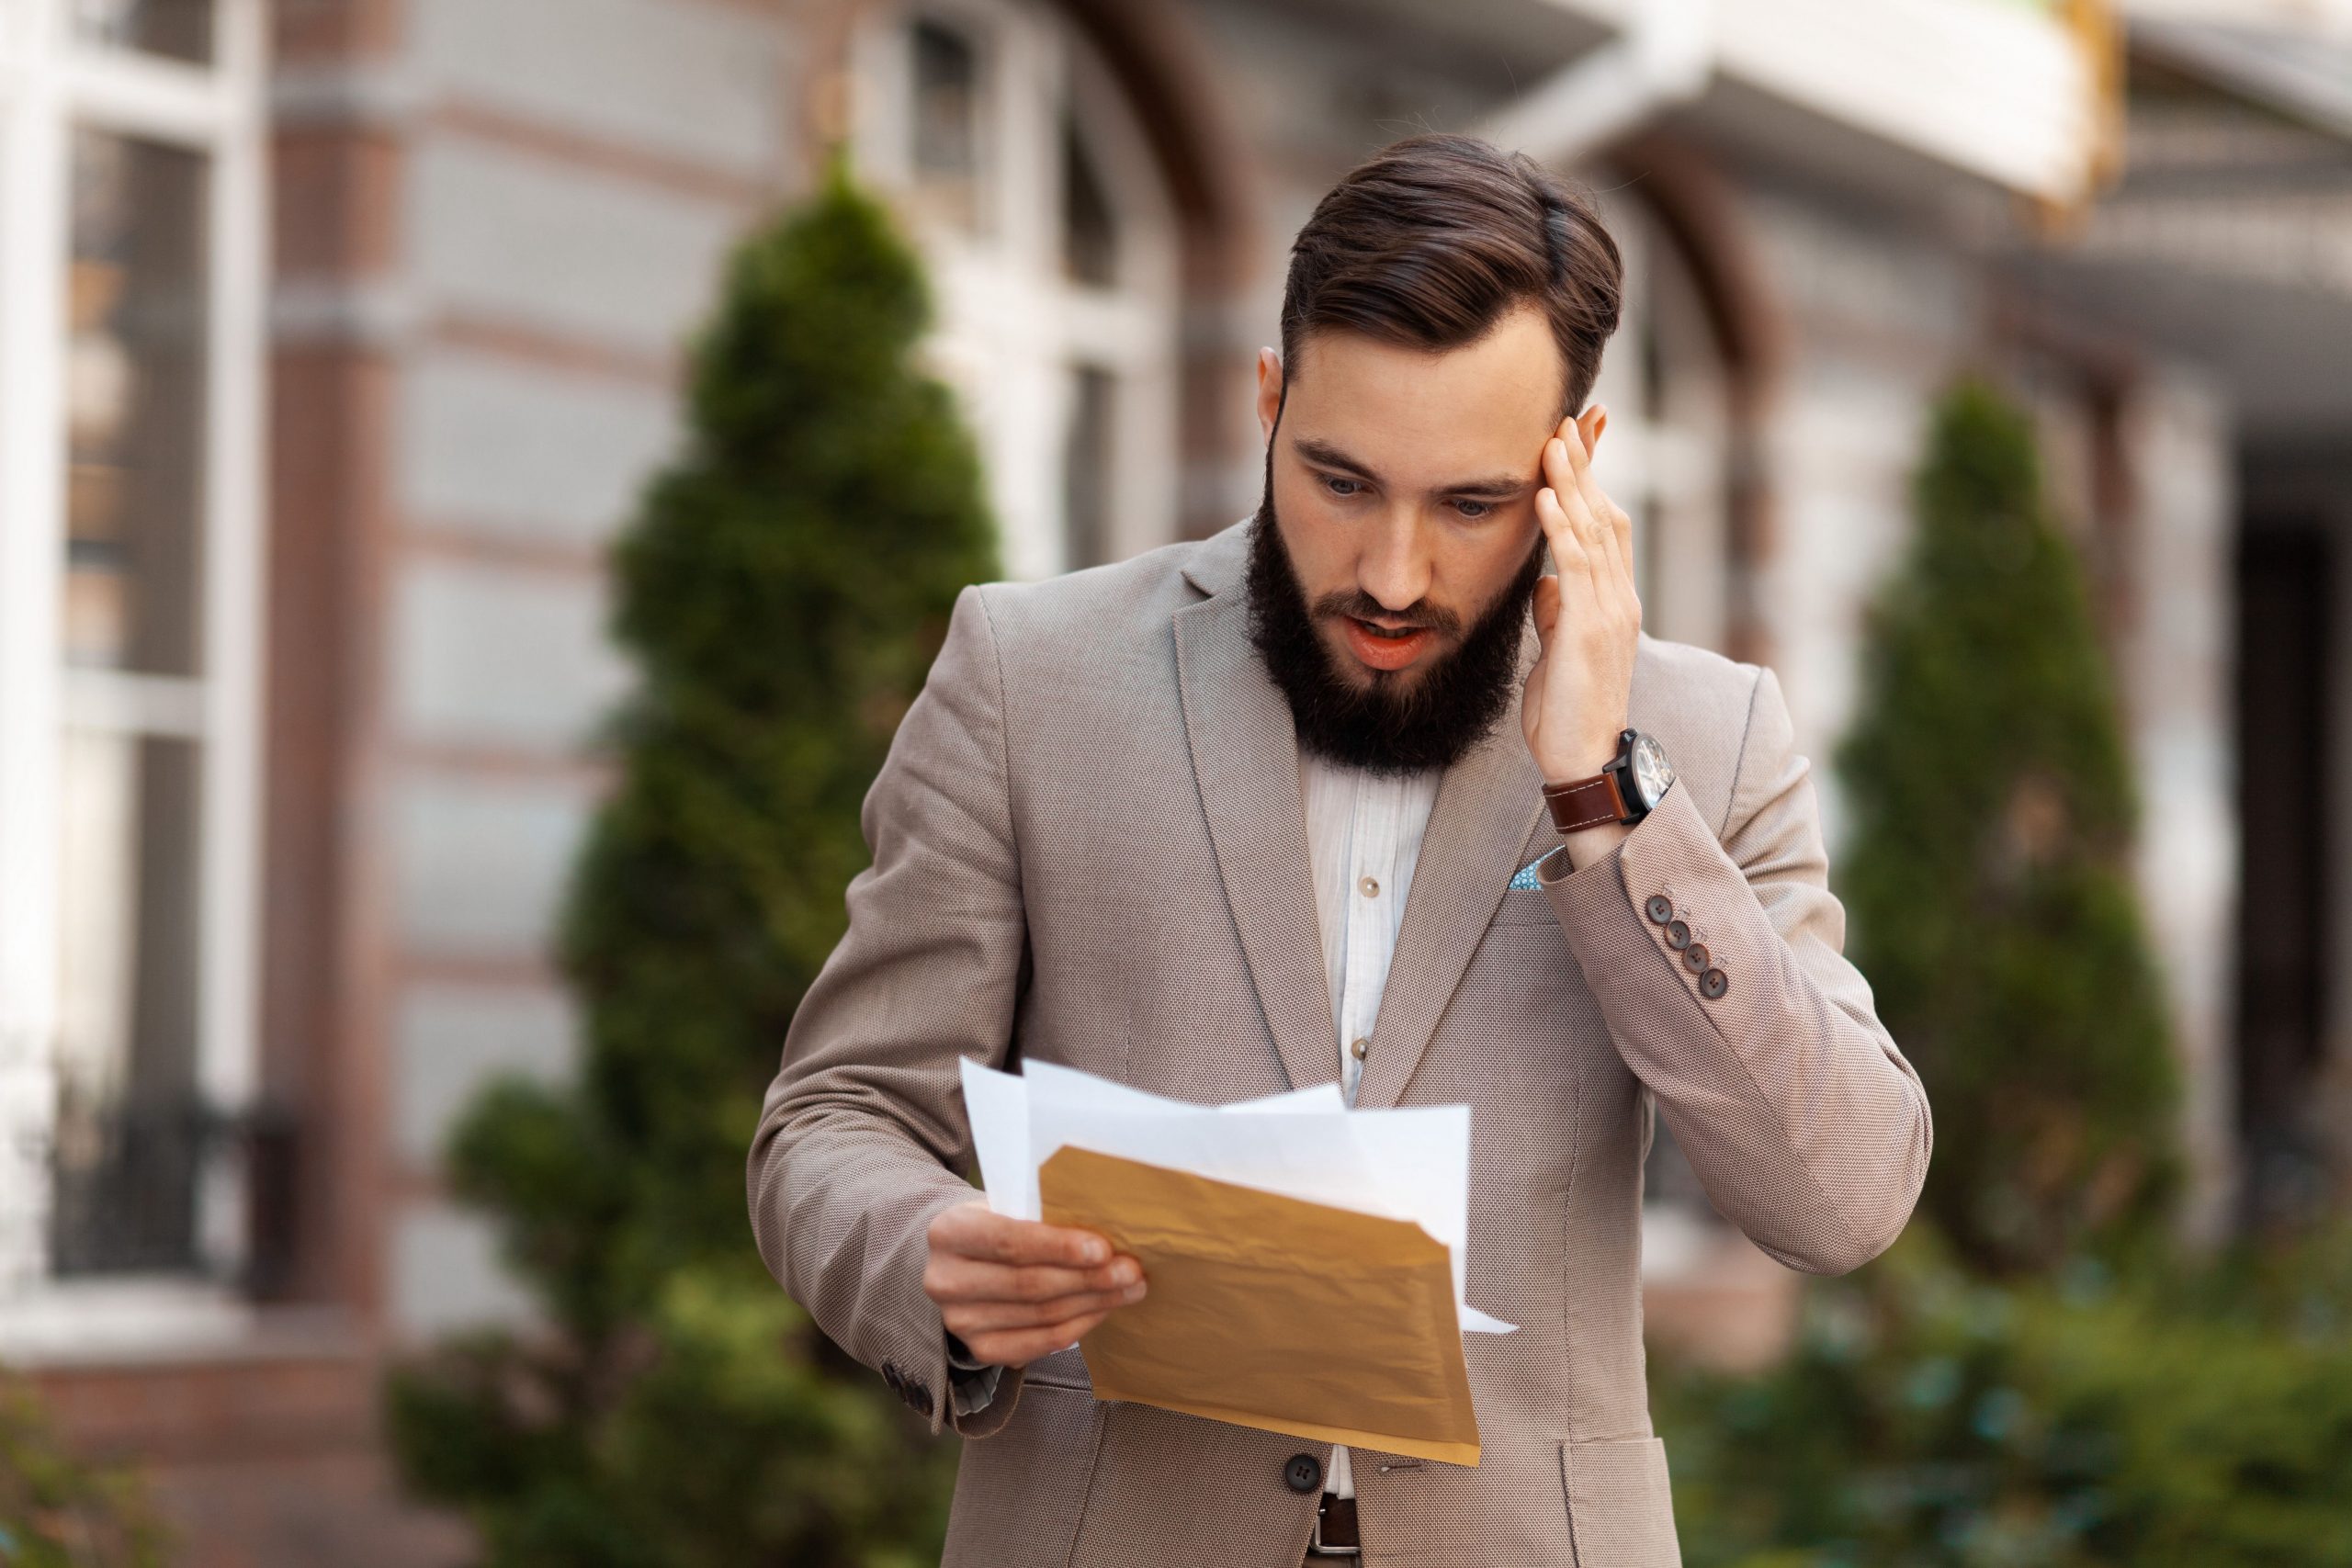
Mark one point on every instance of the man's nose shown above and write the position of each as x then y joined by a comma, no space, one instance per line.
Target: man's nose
1395,566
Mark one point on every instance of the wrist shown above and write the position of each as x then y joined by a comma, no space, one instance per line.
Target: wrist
1621,792
1581,760
1574,770
1587,846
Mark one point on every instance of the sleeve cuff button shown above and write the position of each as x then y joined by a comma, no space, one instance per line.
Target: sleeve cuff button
1714,984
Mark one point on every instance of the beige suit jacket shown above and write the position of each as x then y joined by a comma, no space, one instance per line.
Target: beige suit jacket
1090,848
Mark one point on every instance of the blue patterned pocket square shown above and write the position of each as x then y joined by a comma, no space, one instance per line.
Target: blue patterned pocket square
1526,875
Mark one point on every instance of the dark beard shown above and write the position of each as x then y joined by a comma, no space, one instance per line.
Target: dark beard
1388,726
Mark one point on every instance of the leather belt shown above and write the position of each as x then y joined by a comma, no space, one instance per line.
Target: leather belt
1335,1530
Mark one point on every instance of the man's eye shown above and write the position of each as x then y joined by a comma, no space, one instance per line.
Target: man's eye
1346,490
1474,508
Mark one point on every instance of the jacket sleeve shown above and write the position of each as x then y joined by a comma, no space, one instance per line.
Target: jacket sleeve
1805,1124
863,1133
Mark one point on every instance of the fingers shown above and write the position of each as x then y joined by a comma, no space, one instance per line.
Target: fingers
1608,540
965,1319
1576,536
948,1278
1015,1290
1018,1348
1580,446
974,1230
1617,523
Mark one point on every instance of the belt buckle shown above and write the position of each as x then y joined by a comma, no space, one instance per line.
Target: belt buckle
1315,1547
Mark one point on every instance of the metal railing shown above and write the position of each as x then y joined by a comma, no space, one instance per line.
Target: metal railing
138,1188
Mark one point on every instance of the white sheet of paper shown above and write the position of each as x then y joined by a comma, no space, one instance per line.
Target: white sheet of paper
997,1105
1086,1089
1410,1164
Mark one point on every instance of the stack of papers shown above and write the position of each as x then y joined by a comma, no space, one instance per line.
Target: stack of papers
1307,1261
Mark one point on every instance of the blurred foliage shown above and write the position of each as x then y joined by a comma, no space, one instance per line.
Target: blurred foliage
1933,1418
59,1512
1988,871
2032,1378
784,591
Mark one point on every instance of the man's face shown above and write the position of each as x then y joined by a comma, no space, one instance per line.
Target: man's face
1400,502
1405,484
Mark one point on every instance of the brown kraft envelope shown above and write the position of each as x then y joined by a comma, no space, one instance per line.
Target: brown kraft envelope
1273,1312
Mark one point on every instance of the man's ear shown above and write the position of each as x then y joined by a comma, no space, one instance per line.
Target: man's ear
1270,393
1591,423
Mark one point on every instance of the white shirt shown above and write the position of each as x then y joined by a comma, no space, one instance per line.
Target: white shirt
1364,834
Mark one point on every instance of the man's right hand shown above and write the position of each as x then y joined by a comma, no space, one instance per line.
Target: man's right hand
1015,1290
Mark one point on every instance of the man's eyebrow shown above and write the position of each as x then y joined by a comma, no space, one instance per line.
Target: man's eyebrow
1496,487
1492,487
1323,455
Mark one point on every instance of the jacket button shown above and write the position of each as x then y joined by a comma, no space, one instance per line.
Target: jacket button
1694,957
1660,909
918,1395
1714,984
1677,935
895,1378
1302,1473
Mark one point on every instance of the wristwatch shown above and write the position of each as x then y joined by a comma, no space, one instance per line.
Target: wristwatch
1628,786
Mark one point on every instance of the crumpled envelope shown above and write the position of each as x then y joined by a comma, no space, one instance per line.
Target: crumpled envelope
1273,1312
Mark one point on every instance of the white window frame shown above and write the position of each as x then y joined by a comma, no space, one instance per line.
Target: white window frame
52,83
1012,331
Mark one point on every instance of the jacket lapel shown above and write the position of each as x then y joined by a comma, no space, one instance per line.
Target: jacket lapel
1486,807
1245,756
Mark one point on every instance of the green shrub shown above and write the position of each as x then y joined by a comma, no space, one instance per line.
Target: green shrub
1987,875
57,1512
1931,1418
784,591
2031,1378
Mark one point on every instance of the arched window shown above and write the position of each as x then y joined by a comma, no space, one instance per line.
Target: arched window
1053,246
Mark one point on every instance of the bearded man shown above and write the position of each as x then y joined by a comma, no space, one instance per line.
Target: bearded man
1353,790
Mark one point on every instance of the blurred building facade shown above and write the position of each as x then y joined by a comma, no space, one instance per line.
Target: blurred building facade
336,336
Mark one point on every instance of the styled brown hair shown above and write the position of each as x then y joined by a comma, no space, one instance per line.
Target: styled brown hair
1428,242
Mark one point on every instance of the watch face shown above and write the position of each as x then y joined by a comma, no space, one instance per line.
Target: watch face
1652,772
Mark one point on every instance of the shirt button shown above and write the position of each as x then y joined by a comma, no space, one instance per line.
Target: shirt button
1368,888
1358,1046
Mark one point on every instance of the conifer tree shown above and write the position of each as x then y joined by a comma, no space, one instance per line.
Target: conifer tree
1987,876
782,590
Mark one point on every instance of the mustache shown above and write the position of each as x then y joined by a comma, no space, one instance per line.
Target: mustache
1362,606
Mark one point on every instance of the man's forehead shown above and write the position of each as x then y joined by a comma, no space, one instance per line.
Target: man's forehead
1444,414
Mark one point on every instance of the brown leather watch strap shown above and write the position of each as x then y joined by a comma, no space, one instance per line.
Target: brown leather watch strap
1587,802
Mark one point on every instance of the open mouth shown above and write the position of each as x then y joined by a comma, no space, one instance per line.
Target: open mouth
1384,648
